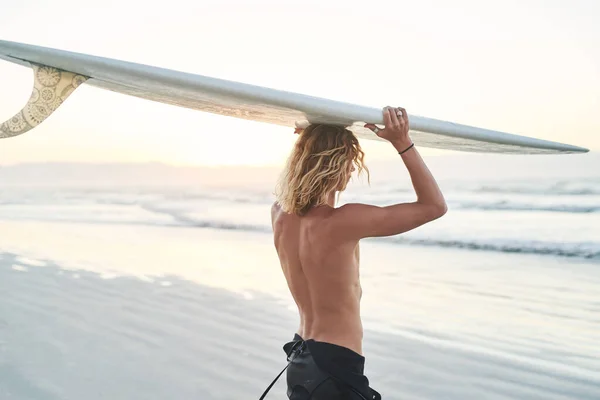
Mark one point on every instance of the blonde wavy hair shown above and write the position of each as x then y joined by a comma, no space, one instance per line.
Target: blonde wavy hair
320,163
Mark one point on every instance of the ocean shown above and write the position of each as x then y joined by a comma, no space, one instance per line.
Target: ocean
153,282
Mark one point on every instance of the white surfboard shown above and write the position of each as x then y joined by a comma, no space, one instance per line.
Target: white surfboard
58,73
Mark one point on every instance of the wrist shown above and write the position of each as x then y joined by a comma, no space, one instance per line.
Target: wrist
402,145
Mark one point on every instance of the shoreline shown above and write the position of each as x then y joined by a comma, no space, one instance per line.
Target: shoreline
66,333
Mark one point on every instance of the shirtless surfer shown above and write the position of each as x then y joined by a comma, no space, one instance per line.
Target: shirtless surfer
318,246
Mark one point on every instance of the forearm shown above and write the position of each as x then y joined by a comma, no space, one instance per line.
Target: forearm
425,185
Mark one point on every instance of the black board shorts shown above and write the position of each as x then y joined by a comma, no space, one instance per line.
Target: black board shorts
321,370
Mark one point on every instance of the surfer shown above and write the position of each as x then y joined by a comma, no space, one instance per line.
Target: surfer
318,246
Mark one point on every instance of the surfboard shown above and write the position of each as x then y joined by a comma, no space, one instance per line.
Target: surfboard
58,73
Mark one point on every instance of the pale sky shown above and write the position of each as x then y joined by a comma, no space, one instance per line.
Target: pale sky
529,67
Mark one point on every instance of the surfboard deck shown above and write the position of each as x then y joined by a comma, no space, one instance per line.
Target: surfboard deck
53,68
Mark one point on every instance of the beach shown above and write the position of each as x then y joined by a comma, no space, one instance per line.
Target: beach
176,292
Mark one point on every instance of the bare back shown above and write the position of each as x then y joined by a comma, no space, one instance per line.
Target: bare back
319,251
322,272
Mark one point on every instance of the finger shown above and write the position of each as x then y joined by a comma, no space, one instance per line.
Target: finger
399,114
374,128
387,120
404,115
393,117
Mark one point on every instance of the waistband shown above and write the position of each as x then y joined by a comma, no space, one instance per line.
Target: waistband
338,361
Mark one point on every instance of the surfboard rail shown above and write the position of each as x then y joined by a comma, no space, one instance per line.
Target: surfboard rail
253,102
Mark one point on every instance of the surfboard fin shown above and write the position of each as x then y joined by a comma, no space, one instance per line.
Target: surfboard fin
51,88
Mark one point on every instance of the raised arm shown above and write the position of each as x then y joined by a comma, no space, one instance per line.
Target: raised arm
358,221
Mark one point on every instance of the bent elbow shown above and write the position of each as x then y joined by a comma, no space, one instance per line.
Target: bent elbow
443,209
439,210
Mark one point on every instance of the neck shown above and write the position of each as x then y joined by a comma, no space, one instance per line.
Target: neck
331,199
